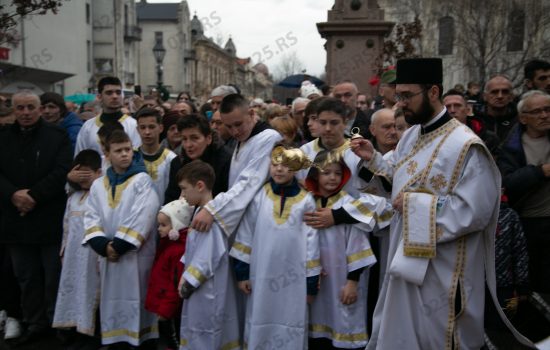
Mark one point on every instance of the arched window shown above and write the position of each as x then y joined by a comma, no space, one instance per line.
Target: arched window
446,35
516,29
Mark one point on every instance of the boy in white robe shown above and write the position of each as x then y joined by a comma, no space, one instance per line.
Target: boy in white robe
278,263
119,220
78,293
110,95
157,158
209,314
338,312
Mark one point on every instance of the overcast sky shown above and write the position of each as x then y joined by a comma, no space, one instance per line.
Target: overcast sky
277,27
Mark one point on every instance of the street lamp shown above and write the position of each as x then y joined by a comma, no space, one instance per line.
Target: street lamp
159,51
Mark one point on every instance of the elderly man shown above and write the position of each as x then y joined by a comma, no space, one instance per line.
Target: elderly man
218,94
35,157
500,112
445,192
537,75
525,165
456,105
346,91
297,112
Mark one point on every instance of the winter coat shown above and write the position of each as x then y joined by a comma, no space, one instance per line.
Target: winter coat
72,123
37,159
162,293
219,157
518,178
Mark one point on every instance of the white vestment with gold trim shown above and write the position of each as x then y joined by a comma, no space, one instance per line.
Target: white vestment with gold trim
209,316
282,252
344,248
87,136
159,170
78,294
131,216
248,172
434,289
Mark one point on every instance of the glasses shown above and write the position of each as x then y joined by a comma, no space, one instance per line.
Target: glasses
406,96
539,111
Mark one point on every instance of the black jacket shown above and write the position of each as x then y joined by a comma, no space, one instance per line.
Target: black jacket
37,159
518,178
219,157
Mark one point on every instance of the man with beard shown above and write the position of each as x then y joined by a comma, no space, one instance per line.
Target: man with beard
446,191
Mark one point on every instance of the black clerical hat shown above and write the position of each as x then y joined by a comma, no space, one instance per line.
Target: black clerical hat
419,71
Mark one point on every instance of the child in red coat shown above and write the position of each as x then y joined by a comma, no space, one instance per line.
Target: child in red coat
162,295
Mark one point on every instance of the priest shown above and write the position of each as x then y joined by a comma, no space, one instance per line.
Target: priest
445,192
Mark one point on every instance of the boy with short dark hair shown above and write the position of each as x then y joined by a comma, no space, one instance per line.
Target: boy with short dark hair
209,314
156,157
119,219
77,296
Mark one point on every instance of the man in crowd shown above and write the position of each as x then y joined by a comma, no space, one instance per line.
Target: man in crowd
445,191
525,165
456,105
346,91
110,94
297,111
35,157
500,112
537,75
218,94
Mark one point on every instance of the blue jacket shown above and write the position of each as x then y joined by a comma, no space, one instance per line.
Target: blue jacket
72,123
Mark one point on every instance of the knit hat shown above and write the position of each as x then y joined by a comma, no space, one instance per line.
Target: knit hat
223,90
308,89
179,213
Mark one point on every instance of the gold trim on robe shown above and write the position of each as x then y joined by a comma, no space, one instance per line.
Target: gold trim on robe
281,217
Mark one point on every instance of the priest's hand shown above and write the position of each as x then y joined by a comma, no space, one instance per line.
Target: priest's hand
310,299
398,203
348,295
362,148
202,221
321,218
245,286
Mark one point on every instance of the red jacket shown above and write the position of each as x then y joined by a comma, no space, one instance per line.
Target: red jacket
162,293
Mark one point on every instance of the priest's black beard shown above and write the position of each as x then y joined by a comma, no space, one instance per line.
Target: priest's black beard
423,115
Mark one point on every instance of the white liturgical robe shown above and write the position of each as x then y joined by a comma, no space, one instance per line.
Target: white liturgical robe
78,294
128,214
282,252
434,289
87,137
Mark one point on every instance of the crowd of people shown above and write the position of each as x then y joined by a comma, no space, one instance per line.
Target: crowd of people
418,219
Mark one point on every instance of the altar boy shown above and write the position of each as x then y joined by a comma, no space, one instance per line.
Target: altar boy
118,223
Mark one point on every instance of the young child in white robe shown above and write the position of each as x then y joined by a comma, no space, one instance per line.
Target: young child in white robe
162,294
119,220
337,319
78,293
278,262
209,313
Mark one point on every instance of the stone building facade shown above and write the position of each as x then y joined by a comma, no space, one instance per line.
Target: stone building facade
478,39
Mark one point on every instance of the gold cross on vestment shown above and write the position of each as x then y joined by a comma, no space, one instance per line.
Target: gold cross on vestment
438,182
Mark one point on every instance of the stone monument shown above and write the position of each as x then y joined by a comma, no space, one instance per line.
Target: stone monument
355,32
